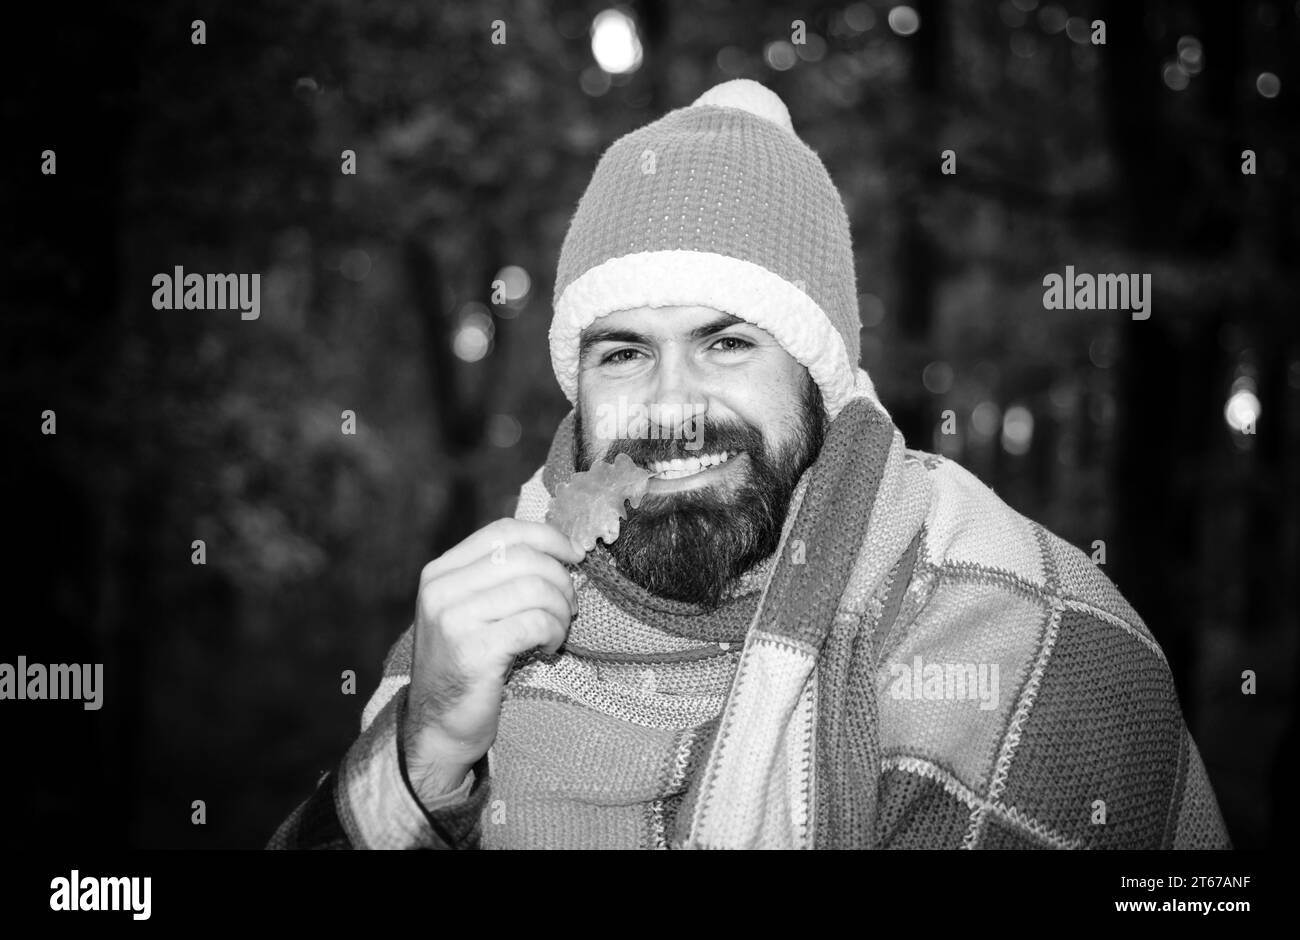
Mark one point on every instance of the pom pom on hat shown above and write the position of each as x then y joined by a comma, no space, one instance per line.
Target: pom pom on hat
748,95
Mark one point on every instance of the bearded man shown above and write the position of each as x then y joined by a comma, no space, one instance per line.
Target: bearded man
805,635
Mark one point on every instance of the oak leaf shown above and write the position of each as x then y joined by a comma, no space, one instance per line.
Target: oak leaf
590,505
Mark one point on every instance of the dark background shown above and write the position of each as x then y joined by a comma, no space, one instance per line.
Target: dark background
223,680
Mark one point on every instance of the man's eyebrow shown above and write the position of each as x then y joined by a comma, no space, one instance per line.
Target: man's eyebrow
596,335
715,326
604,334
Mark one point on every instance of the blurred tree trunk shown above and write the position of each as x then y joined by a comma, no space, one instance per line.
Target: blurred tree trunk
1275,524
1151,550
913,413
461,391
452,407
652,17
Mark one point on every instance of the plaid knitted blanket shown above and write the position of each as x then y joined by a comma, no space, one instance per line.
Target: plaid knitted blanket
917,665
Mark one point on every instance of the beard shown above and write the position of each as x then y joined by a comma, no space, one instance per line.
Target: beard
692,546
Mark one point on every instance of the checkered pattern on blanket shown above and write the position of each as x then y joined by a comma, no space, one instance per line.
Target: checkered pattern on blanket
790,718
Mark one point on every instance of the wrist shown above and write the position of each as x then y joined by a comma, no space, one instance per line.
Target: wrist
432,768
432,780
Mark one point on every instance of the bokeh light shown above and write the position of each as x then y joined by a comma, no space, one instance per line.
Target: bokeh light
1243,407
1268,85
872,310
1190,55
780,55
1017,430
1242,410
515,285
937,378
614,42
594,81
1101,352
306,88
812,49
1064,396
503,430
1052,19
985,420
473,336
1174,77
732,60
859,17
904,20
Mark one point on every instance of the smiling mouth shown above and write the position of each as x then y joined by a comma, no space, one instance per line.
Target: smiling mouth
688,467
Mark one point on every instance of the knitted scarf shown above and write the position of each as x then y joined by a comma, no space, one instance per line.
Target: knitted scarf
753,725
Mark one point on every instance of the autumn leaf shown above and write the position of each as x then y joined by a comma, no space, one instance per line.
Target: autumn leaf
590,505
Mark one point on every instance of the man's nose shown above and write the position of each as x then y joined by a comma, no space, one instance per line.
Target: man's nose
679,389
674,377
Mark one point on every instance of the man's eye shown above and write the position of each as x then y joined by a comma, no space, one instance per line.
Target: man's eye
738,344
619,356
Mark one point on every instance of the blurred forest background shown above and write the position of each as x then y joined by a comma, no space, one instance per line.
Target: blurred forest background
223,681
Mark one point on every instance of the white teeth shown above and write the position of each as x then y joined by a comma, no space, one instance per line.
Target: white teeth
677,468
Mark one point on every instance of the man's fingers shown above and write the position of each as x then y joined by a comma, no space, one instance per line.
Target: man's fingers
486,574
528,629
498,537
511,598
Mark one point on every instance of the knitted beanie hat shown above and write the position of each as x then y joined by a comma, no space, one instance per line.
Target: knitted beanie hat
720,205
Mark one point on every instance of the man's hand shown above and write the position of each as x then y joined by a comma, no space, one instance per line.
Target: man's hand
502,591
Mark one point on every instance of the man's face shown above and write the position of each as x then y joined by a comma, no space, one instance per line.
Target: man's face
742,418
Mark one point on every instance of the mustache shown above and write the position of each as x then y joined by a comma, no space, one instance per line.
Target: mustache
729,436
